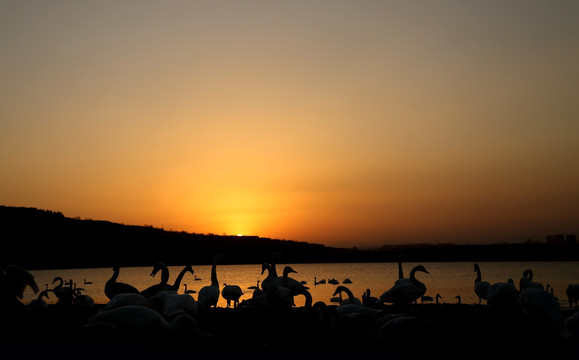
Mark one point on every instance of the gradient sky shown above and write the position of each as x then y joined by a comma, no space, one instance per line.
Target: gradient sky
346,123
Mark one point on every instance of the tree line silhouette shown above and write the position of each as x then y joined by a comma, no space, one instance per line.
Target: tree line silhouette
44,239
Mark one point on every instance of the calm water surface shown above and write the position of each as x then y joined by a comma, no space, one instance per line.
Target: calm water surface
448,279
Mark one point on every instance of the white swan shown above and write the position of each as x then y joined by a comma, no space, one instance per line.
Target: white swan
272,271
112,287
162,285
39,302
177,304
231,293
139,323
540,306
481,288
209,295
126,299
502,295
406,292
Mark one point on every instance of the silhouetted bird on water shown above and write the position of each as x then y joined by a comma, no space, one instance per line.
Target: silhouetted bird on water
112,287
406,292
481,288
209,295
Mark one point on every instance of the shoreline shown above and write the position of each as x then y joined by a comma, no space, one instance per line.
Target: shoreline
414,330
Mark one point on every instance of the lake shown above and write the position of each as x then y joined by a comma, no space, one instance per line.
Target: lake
448,279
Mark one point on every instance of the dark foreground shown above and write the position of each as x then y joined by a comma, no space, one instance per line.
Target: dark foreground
449,331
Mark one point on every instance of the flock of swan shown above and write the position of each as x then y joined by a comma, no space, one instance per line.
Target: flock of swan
162,310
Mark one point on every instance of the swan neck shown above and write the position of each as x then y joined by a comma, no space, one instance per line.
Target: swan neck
400,272
214,281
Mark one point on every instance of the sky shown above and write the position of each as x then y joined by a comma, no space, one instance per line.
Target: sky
344,123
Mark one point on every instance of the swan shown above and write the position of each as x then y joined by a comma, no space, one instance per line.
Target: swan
401,278
347,281
177,284
231,293
13,282
457,297
87,282
64,294
209,295
126,299
188,291
369,300
112,287
39,302
177,304
502,295
527,281
438,297
162,285
279,294
351,299
406,292
272,271
139,323
81,299
572,293
540,306
481,288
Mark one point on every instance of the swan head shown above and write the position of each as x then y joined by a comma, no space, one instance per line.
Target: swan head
189,268
158,266
264,266
476,267
421,268
18,278
287,270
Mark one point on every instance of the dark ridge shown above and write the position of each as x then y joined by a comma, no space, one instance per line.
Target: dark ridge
44,239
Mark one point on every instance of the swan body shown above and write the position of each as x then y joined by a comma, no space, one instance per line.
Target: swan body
351,299
406,292
502,295
209,295
481,288
65,294
112,287
572,293
177,304
232,293
126,299
139,323
39,302
527,281
540,306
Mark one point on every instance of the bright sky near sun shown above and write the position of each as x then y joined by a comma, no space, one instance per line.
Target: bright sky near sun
346,123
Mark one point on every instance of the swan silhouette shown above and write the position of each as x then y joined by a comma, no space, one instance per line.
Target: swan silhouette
405,292
527,281
572,293
65,294
162,285
231,293
351,299
502,295
209,295
112,287
140,324
177,284
481,288
13,282
188,291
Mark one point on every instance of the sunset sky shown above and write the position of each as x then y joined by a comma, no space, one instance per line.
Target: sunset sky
345,123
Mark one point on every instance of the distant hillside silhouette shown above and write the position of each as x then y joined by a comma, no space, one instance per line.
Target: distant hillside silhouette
44,239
